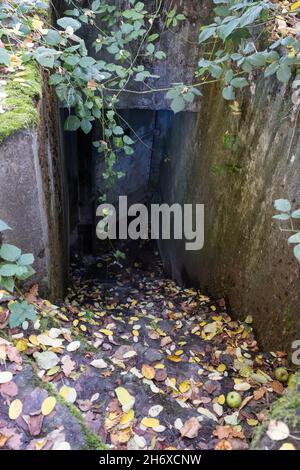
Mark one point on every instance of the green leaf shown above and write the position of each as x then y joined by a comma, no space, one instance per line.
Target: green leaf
52,38
8,283
86,126
10,252
228,93
72,60
20,311
271,69
284,73
282,205
4,56
296,214
297,252
178,104
45,57
8,270
281,217
66,22
239,82
206,33
118,130
294,238
26,259
72,123
127,140
3,226
87,62
226,29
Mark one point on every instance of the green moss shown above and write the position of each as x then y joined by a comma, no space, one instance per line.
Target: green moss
92,441
286,408
22,89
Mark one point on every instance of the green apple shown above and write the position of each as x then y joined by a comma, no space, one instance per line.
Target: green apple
234,400
281,374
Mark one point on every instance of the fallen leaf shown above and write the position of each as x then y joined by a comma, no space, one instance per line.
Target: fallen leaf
148,372
48,405
150,422
15,409
73,346
5,377
99,364
278,430
155,410
126,400
69,394
287,445
190,428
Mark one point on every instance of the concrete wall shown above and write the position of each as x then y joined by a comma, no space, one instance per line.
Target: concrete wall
32,198
245,257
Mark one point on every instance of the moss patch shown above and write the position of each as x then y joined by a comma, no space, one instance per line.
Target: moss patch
92,441
286,408
22,89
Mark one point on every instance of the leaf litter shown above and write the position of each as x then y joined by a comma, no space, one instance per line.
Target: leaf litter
147,363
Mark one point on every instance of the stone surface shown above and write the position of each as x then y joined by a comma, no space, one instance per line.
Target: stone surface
245,256
32,196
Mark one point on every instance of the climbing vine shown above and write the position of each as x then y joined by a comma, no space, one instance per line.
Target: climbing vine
245,37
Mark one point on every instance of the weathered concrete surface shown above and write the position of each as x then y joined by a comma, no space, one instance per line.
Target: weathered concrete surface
245,256
32,197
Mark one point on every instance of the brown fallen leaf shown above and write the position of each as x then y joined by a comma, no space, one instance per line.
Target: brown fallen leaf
166,340
277,387
9,389
68,366
259,393
35,424
190,428
223,445
224,432
32,294
148,372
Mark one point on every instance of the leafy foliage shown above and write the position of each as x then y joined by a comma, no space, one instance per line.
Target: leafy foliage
15,266
253,36
246,36
286,214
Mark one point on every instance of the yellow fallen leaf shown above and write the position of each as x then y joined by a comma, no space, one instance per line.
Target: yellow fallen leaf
33,339
179,352
127,417
148,372
184,386
150,422
295,6
159,366
252,422
48,405
221,368
221,399
83,328
106,332
287,445
135,332
69,394
15,409
22,345
126,400
174,358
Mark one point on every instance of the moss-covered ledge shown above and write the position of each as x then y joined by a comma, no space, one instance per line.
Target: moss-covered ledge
286,409
19,95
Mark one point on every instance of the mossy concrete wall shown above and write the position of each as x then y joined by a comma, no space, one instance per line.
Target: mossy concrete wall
245,256
32,199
